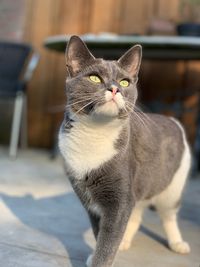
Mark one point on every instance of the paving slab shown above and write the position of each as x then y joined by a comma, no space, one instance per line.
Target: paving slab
42,223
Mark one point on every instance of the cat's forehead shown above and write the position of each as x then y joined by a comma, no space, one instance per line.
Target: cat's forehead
108,68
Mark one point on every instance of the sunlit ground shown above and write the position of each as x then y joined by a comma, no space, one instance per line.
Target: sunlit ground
42,223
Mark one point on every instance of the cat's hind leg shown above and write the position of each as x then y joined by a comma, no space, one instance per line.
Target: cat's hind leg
170,225
167,205
132,227
167,202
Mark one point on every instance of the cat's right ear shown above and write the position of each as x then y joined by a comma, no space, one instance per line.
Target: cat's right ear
77,56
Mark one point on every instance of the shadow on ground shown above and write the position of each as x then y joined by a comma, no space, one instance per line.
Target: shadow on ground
61,216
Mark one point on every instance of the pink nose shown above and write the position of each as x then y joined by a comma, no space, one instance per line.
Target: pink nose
114,89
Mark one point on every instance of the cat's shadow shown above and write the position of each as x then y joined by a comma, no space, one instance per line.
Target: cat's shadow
60,216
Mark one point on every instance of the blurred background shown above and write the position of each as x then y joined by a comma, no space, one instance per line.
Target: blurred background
37,225
32,21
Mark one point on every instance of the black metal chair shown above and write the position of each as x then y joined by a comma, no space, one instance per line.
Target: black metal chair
17,63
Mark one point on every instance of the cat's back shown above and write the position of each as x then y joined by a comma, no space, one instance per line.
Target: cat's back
154,132
158,149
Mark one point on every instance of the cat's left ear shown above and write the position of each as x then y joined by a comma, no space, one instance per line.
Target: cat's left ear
131,60
78,55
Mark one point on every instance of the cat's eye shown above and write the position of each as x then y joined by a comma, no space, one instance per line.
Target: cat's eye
95,78
124,83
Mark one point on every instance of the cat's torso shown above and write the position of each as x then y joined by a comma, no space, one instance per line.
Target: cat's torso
117,159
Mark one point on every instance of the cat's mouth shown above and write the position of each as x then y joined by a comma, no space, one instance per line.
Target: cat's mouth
112,105
108,106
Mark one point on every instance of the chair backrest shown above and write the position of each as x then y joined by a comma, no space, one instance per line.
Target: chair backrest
13,57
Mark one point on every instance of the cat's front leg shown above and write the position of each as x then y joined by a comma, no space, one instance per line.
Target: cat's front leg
112,227
95,221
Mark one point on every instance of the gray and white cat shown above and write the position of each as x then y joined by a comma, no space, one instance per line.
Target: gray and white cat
119,160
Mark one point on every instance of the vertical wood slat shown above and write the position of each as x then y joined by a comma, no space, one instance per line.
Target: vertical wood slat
73,20
136,16
105,16
168,9
40,24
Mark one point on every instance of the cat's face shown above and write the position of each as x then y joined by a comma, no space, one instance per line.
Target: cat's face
100,88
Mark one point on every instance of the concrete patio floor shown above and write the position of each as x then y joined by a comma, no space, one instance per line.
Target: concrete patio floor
42,223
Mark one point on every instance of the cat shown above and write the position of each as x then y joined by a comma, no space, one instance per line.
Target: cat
119,160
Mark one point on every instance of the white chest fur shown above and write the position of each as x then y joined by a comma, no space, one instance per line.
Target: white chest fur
89,145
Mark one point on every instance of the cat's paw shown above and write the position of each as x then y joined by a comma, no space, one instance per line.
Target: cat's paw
180,247
125,245
89,260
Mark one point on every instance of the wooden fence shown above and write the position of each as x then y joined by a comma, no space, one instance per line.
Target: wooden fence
49,17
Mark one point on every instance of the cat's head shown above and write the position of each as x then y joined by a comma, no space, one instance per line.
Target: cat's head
100,88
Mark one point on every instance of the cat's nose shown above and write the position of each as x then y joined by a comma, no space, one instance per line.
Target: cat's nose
113,89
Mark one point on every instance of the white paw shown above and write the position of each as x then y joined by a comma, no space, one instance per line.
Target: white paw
125,245
180,247
89,260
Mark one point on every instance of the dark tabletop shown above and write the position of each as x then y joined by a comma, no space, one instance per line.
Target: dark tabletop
154,47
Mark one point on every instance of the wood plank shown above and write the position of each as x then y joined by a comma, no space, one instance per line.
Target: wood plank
136,16
105,16
73,20
169,9
40,25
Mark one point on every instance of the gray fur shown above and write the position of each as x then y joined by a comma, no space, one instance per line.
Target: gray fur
149,149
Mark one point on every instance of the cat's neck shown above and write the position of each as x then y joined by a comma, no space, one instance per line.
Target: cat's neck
90,143
95,121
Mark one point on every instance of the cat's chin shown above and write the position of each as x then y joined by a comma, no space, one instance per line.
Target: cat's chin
103,118
109,109
106,113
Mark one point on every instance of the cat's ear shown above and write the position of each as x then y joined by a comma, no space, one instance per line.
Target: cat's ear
77,55
131,60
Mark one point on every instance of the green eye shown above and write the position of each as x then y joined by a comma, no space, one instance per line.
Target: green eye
124,83
95,79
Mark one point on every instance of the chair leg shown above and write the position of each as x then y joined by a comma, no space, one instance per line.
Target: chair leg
16,122
24,127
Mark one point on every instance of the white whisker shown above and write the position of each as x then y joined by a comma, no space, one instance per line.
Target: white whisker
145,116
80,101
141,120
73,115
